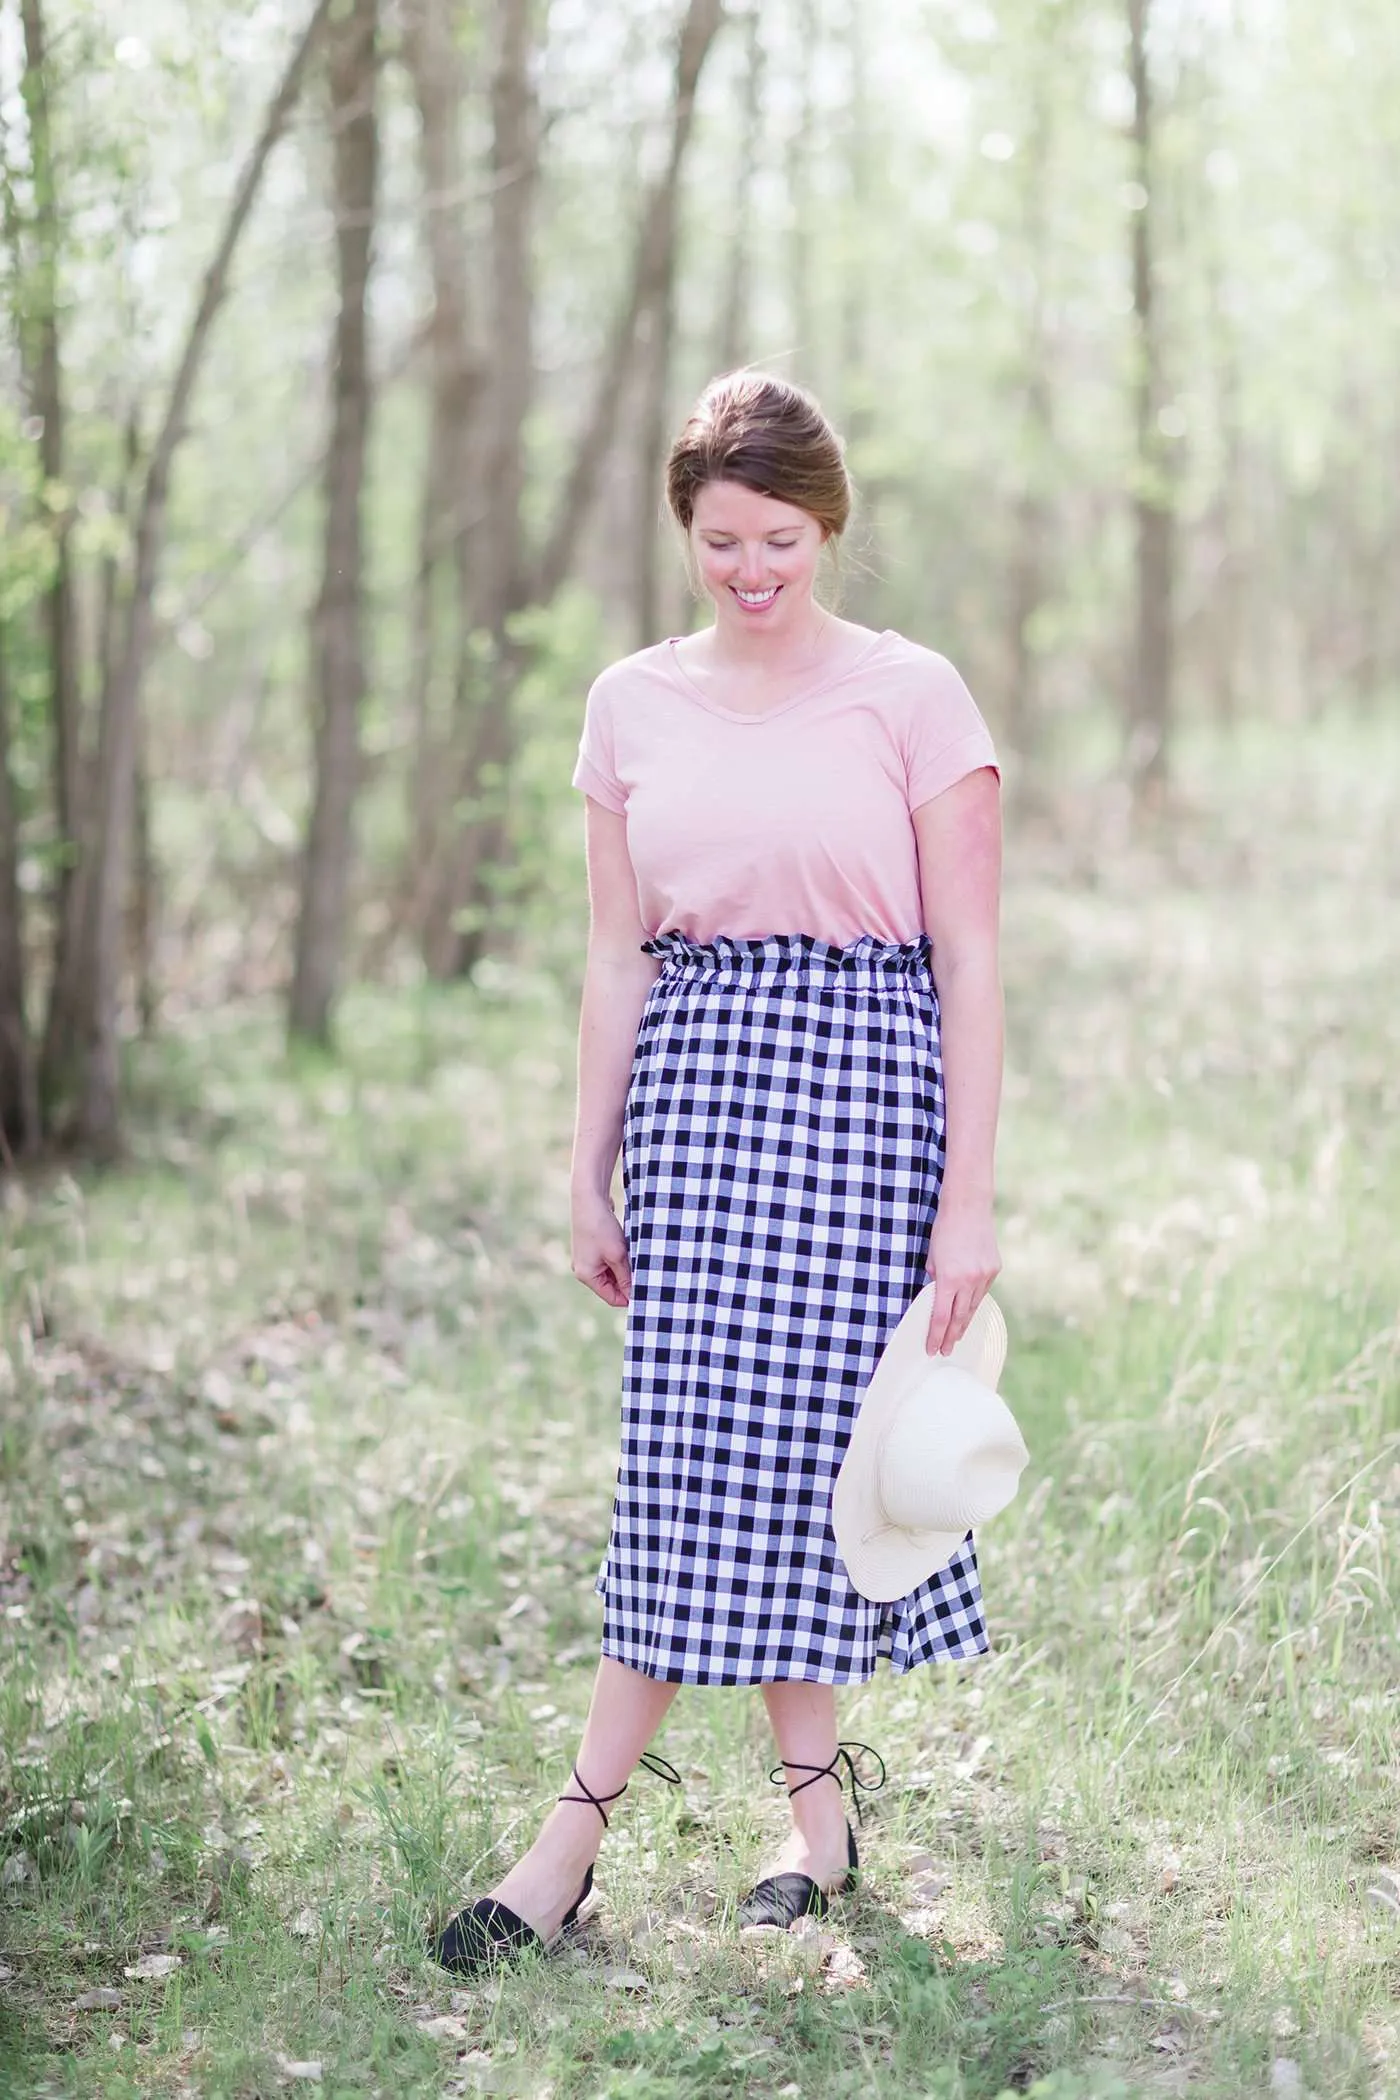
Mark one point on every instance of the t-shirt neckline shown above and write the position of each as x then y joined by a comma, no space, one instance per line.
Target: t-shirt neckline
766,714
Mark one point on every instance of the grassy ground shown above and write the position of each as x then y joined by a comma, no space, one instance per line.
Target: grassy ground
308,1438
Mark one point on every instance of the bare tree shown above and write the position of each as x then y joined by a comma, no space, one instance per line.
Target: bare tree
81,1051
337,637
649,285
445,593
1031,548
485,779
18,1109
515,167
856,301
459,876
1223,526
1154,507
732,336
656,350
801,157
44,385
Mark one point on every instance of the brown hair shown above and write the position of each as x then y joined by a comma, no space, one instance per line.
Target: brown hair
767,435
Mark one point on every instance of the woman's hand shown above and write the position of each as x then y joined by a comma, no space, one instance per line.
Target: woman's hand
598,1249
963,1261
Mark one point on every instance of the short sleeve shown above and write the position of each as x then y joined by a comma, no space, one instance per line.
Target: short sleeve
596,770
947,737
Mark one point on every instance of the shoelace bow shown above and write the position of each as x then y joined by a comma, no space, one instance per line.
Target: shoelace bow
778,1775
648,1761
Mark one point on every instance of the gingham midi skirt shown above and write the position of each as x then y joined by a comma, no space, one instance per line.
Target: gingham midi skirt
782,1148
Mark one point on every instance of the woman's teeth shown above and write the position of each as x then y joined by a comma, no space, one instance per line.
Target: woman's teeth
757,597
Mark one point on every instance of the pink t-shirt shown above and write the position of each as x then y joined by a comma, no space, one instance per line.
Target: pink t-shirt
793,820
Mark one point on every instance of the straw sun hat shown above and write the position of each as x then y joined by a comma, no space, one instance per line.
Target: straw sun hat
935,1451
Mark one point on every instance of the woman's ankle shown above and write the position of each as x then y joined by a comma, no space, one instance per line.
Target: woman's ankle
826,1812
574,1828
562,1851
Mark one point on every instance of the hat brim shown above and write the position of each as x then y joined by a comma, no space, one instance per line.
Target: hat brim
885,1562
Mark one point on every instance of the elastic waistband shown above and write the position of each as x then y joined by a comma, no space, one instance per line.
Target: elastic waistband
777,956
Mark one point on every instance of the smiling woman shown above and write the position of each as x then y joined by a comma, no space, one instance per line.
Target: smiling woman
791,1033
753,546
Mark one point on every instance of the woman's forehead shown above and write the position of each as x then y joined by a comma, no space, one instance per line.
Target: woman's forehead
727,506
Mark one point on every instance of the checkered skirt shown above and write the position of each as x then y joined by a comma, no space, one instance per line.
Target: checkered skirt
782,1149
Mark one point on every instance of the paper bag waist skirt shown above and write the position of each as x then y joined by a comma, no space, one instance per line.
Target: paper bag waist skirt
782,1150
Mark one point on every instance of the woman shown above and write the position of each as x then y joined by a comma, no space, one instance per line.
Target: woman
793,827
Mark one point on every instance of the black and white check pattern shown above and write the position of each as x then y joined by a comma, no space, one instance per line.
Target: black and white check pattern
782,1150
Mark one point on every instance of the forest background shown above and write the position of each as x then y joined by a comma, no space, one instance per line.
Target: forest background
342,344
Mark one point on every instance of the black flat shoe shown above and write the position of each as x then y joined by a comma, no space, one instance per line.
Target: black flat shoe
781,1899
489,1935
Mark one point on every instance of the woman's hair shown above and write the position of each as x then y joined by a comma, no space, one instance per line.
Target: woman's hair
767,435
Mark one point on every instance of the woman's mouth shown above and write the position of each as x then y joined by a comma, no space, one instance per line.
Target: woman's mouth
756,600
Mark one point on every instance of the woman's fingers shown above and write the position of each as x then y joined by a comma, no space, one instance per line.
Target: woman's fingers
613,1281
955,1300
959,1314
606,1271
944,1307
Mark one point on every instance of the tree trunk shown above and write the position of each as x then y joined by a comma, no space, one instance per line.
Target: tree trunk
444,597
462,933
732,337
1150,702
1025,721
1031,557
856,364
461,898
82,1049
490,760
337,641
652,267
801,158
47,402
515,165
144,894
19,1131
43,371
657,350
1225,531
856,303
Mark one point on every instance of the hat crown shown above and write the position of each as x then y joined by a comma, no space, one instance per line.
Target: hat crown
951,1455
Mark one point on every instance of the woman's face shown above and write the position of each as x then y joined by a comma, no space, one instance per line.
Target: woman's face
757,557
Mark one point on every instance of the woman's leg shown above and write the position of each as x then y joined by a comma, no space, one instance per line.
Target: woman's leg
803,1717
623,1715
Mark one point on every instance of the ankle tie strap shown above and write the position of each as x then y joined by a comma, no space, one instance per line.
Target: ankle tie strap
648,1761
778,1775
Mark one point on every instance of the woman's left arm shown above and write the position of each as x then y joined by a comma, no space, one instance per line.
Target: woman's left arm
959,840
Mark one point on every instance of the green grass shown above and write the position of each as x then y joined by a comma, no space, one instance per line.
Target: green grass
307,1440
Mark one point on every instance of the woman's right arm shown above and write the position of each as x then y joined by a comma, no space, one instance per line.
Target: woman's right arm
617,978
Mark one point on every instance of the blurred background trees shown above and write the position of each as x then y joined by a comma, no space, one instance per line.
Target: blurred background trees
342,343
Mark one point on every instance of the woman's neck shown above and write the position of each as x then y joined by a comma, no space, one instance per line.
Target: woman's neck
773,655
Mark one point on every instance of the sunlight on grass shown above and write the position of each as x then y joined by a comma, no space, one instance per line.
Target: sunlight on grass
308,1446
